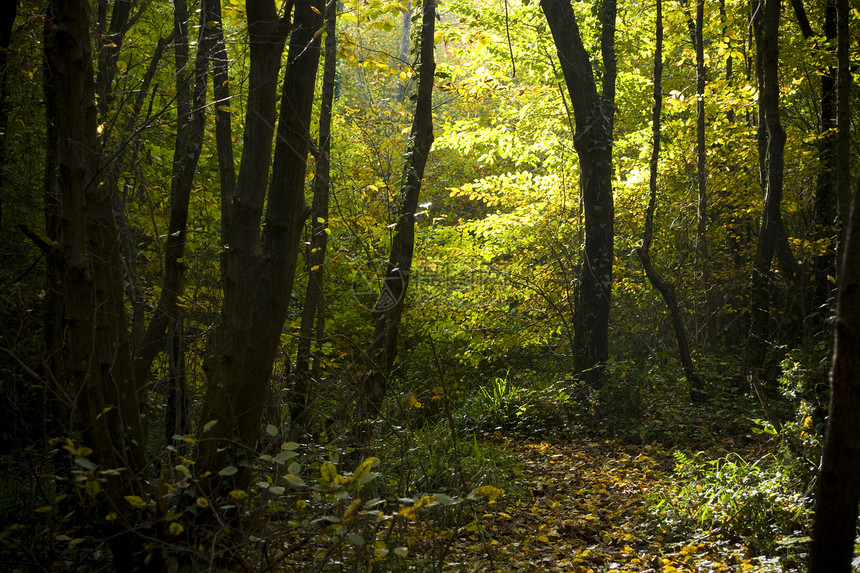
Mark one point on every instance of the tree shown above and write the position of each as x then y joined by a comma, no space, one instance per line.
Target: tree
773,238
593,114
389,306
697,36
7,19
666,289
258,268
313,311
97,363
839,481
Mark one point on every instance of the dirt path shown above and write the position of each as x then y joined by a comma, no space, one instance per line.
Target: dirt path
582,509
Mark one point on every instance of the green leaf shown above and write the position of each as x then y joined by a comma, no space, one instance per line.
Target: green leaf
229,471
85,463
355,539
93,487
283,456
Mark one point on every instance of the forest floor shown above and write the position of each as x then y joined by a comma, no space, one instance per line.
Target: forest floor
584,507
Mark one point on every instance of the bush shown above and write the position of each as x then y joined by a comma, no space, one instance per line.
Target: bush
759,503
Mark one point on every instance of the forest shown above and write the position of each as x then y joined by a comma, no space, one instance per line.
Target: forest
429,285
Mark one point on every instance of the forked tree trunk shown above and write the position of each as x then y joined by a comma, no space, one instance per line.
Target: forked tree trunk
241,258
259,268
594,118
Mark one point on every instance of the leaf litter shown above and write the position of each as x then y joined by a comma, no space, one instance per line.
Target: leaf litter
582,508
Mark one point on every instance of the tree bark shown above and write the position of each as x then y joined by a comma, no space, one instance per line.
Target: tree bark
772,238
313,312
191,116
594,117
666,289
839,480
259,268
389,305
843,118
7,20
97,360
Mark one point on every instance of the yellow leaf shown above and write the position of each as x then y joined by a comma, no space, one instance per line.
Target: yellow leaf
181,468
175,528
202,502
121,64
328,471
488,491
238,494
135,501
543,539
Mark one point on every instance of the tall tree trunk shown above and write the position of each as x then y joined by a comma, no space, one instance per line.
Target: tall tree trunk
843,118
240,237
7,20
703,257
838,495
594,117
826,201
825,205
772,238
666,289
98,359
389,305
191,116
702,248
313,312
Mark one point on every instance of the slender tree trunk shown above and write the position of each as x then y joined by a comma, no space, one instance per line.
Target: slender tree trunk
825,205
826,200
405,33
839,481
843,118
7,20
772,236
666,289
703,257
314,306
191,115
702,248
389,305
594,117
